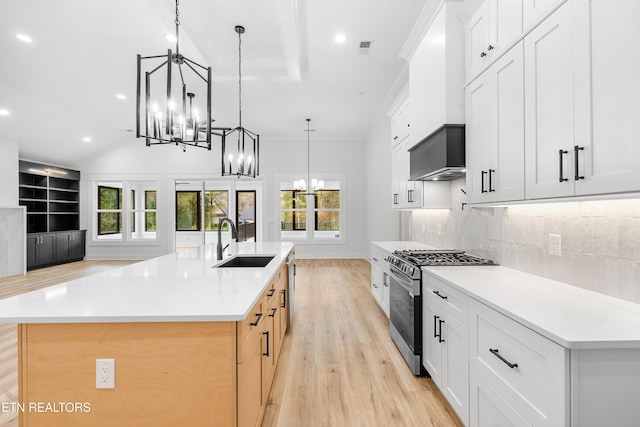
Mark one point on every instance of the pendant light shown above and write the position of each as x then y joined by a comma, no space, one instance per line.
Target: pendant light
300,184
163,118
241,158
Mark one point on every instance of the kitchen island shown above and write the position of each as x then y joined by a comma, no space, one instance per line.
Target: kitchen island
192,344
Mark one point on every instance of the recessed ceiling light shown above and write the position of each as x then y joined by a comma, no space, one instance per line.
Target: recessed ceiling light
171,38
86,139
121,96
340,38
24,38
4,112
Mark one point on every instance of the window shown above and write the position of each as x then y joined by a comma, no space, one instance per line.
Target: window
125,210
189,209
216,206
293,210
109,210
327,211
318,217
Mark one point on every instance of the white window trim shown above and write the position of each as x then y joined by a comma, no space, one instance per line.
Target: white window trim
307,237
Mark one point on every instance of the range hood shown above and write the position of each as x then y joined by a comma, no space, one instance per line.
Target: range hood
440,156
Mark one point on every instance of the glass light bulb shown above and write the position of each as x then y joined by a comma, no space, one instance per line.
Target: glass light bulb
154,107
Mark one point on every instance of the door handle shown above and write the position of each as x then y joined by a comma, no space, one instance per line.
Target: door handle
435,327
576,150
482,174
561,153
259,316
284,298
267,334
496,353
440,322
491,189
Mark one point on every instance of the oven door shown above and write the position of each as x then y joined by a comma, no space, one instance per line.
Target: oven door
406,317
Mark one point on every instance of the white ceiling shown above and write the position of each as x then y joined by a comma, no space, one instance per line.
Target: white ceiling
62,86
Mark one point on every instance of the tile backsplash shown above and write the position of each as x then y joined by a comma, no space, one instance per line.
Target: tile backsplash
600,240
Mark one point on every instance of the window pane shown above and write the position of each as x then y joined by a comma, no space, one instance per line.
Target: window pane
327,221
109,198
293,220
150,199
187,210
328,199
150,221
216,206
109,223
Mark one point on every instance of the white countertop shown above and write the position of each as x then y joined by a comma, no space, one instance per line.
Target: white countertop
398,245
570,316
179,287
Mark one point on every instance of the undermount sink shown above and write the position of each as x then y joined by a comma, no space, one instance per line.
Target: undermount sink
247,261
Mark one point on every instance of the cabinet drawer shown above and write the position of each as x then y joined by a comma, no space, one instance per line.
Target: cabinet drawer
248,327
530,371
453,301
489,408
378,258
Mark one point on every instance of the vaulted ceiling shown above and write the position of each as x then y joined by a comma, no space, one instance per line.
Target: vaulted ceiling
62,87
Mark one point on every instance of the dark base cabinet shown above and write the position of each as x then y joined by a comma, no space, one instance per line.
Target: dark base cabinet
46,249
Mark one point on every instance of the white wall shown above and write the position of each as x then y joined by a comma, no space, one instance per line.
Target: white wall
276,157
8,173
600,239
382,220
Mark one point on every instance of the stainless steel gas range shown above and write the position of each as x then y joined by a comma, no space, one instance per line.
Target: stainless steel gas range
406,296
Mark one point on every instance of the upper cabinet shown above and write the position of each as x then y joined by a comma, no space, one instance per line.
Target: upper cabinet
436,75
582,95
400,124
495,131
580,98
490,31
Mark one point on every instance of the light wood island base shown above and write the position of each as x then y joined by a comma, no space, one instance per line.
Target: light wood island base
167,374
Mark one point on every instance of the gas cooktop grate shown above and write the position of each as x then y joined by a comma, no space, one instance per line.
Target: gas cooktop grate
441,257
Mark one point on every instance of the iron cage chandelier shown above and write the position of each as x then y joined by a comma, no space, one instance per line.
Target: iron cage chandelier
241,159
178,126
314,184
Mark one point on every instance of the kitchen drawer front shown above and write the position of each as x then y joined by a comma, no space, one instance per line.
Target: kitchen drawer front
249,327
537,381
453,301
489,408
378,257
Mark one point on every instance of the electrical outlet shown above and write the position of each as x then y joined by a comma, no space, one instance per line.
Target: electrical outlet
105,373
439,229
555,244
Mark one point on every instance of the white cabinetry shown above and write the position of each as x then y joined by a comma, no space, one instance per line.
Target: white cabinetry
489,31
495,131
527,370
533,10
581,92
380,277
445,342
400,125
436,75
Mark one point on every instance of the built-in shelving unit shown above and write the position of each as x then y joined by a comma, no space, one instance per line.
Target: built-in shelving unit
51,196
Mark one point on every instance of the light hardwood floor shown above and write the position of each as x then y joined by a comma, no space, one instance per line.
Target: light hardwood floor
338,367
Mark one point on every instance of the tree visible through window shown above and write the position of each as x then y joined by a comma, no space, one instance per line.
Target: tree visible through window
189,209
109,210
293,210
327,211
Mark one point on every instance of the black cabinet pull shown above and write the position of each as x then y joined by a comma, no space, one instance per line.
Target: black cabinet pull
273,312
270,294
576,150
561,153
410,196
491,189
482,174
440,295
259,316
395,198
491,47
483,54
284,299
496,353
440,339
435,328
267,334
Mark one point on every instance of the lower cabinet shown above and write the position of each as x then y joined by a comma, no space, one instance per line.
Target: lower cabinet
445,344
380,277
45,249
260,339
